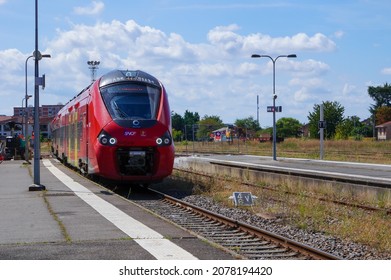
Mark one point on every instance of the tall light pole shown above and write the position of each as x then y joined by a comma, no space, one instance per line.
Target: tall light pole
39,81
93,66
274,96
26,97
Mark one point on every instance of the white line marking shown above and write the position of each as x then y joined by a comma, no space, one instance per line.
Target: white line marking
353,176
150,240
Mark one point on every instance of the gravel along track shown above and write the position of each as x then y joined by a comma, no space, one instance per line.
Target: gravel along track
336,246
236,237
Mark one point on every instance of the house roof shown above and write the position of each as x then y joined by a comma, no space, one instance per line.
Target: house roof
5,119
386,124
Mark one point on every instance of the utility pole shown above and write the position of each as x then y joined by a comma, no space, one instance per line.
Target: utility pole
321,130
258,110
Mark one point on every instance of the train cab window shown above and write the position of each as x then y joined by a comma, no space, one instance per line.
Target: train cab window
131,101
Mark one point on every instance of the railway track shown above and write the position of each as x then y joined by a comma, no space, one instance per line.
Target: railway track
242,240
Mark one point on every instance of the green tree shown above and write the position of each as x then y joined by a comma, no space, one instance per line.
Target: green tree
178,122
344,129
383,114
247,126
288,127
190,120
352,127
177,135
248,123
381,95
333,115
207,124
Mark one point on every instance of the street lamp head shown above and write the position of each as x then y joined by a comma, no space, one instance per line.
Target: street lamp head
255,56
38,56
93,63
28,96
291,56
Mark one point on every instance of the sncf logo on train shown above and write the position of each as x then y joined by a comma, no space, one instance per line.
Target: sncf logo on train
130,133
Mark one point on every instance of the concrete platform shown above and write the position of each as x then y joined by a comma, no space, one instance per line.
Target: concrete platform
76,219
362,179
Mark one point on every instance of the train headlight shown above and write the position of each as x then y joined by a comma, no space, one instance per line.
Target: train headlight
106,139
164,140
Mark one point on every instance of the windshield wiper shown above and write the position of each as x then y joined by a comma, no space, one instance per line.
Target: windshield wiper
121,113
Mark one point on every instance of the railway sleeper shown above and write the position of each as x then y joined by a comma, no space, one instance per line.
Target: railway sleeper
201,228
217,225
262,248
262,244
225,233
195,219
244,238
236,243
264,251
274,256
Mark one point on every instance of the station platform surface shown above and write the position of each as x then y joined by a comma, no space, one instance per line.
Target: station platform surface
353,172
76,219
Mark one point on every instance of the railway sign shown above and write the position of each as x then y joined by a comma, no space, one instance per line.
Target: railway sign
322,124
271,109
243,198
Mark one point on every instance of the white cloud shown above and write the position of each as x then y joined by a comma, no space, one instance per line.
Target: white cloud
386,71
94,9
200,77
226,38
302,95
339,34
348,89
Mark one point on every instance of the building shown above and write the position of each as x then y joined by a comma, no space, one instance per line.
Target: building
5,126
46,114
384,131
45,111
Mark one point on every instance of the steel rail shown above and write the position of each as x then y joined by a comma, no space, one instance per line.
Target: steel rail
285,242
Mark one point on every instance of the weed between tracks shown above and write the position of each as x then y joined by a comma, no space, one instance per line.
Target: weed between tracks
305,207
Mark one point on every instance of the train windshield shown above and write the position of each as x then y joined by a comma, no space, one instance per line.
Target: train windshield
131,101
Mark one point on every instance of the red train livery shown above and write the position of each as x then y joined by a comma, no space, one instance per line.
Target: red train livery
118,128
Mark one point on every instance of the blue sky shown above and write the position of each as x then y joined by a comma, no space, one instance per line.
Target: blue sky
201,51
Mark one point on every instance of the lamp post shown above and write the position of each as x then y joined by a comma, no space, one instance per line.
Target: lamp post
39,81
26,112
93,66
25,115
274,96
26,97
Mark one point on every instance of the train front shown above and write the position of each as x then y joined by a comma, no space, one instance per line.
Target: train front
136,144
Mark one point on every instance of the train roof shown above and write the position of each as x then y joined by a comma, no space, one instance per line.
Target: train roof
118,76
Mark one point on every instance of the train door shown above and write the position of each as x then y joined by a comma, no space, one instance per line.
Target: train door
82,135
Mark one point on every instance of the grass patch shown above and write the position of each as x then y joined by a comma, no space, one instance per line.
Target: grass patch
367,150
299,205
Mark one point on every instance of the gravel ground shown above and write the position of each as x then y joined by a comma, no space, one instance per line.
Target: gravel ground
336,246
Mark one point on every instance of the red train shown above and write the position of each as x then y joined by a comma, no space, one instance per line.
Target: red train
118,128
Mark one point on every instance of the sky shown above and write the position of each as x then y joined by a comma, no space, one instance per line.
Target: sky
201,51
